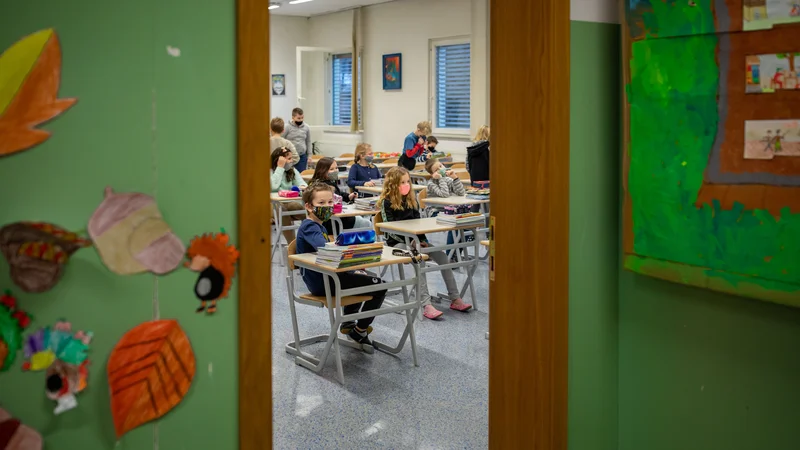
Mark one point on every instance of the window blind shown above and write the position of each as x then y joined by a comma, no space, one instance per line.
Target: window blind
452,86
342,91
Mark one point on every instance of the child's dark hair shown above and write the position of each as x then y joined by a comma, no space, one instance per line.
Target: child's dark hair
285,152
322,169
432,140
311,191
429,165
297,112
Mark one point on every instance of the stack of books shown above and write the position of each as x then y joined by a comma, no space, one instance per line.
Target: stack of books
366,203
460,220
337,257
478,194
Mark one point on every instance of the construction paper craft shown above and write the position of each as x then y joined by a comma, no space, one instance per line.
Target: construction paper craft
16,436
30,72
64,356
212,256
150,371
766,74
37,253
12,322
131,236
765,14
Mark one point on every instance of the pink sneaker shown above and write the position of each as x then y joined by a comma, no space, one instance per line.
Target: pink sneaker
459,305
429,312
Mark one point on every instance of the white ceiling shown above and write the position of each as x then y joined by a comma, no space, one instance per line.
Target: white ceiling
318,7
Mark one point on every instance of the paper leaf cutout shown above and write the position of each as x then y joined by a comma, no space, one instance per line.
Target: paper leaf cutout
149,372
30,73
12,322
131,236
215,259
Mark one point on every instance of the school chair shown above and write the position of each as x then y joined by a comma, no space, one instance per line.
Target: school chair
459,166
391,161
463,175
293,348
347,155
421,196
316,157
307,172
376,219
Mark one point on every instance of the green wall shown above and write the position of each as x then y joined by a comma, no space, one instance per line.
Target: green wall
594,171
701,370
115,62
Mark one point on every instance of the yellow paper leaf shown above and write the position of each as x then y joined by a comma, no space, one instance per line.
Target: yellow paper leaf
17,62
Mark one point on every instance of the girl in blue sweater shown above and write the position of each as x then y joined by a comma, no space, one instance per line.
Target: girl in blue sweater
363,171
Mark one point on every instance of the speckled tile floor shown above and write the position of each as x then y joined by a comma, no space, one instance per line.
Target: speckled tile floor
386,402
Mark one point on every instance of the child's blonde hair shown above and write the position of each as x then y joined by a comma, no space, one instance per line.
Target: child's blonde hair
482,134
361,151
425,127
391,189
429,165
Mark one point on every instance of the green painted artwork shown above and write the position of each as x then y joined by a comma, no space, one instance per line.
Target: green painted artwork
678,117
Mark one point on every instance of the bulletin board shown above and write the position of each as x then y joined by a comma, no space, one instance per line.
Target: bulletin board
711,165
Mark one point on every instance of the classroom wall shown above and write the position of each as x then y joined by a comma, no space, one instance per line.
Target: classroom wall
594,210
286,34
390,115
149,122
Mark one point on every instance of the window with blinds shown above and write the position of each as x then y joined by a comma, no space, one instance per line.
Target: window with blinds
342,89
452,86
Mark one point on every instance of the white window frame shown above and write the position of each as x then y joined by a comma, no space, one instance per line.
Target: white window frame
454,133
330,127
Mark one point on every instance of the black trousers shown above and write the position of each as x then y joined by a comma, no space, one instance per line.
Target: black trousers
350,280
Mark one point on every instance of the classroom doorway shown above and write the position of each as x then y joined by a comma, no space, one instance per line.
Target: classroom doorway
529,106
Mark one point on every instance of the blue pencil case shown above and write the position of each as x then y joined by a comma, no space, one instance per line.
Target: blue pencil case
356,238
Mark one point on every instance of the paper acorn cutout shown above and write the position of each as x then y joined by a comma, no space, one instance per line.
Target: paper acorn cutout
17,436
215,260
131,236
37,253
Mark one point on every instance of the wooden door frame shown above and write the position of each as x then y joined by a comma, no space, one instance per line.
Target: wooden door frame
528,368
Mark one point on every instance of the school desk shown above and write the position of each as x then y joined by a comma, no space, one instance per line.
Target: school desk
336,297
424,175
277,206
454,200
376,190
409,229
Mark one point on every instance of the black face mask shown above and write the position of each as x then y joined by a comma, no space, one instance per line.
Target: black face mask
299,124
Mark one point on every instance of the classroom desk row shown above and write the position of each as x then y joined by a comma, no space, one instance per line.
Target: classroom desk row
377,161
336,297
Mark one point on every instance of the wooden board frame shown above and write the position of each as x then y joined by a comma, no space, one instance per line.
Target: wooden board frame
530,48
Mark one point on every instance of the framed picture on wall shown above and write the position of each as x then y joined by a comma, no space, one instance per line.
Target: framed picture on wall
392,72
278,85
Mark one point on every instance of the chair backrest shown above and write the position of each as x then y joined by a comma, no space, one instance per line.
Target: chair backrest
316,157
419,166
463,175
391,161
421,196
291,250
458,166
307,172
347,155
376,219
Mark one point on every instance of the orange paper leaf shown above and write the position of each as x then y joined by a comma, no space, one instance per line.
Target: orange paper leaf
149,372
30,72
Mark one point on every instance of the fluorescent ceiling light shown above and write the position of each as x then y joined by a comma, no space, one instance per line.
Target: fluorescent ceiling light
295,2
274,6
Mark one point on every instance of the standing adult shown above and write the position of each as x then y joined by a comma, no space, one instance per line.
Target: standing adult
415,147
299,134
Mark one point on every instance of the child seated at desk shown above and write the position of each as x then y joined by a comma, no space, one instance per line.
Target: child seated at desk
318,200
398,202
284,177
327,173
363,171
443,183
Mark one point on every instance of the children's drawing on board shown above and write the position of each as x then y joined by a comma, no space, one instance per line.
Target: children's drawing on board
769,73
764,14
765,139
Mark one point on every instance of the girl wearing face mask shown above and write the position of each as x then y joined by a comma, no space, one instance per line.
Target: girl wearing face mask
363,171
284,177
327,172
312,235
398,202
